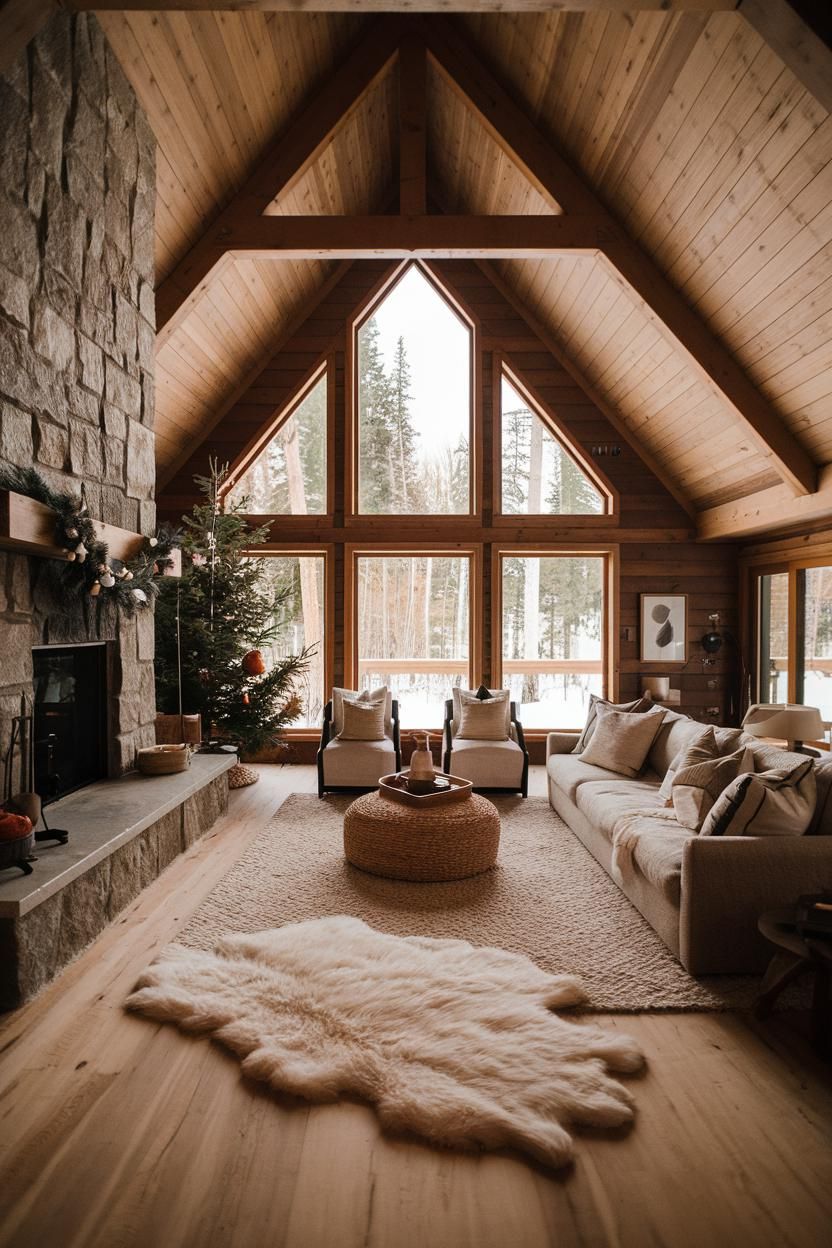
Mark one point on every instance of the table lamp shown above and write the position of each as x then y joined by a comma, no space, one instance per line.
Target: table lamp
786,721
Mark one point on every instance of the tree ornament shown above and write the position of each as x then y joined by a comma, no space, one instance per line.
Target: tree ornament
203,675
254,663
72,534
70,556
140,596
95,589
108,580
80,552
128,575
246,700
153,541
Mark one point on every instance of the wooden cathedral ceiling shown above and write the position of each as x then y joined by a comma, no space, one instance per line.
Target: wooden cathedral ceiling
685,128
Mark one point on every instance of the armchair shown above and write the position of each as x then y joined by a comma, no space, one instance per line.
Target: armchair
498,766
352,766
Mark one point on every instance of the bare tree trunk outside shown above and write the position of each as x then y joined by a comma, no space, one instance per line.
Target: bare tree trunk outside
309,593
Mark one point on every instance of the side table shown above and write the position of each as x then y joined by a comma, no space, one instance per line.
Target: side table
794,956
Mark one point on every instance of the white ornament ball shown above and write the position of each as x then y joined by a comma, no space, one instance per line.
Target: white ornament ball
153,541
128,576
81,552
140,596
108,580
72,533
70,556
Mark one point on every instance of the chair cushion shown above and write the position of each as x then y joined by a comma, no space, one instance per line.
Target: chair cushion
483,720
490,764
621,740
358,763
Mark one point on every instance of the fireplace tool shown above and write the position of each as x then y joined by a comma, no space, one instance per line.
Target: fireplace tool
25,801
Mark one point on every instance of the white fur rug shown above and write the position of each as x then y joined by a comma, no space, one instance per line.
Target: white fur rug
450,1041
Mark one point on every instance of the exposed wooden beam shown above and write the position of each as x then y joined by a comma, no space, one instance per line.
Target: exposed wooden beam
283,163
768,511
20,21
406,6
551,173
798,46
304,238
412,127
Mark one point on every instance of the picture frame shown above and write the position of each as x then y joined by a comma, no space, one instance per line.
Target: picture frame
664,623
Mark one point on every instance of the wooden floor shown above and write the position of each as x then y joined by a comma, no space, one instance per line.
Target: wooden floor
115,1131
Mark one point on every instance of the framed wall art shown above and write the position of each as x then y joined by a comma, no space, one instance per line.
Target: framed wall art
664,619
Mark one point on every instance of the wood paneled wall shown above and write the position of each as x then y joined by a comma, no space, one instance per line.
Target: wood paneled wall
652,532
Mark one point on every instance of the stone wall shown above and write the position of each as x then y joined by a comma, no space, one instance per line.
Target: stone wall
77,198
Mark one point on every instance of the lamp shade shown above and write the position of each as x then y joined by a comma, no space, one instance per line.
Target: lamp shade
787,721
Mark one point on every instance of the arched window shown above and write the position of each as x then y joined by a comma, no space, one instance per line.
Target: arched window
413,392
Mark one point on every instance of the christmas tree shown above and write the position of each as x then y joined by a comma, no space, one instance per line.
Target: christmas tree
215,620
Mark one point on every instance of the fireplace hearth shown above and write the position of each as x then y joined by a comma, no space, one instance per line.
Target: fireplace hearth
70,717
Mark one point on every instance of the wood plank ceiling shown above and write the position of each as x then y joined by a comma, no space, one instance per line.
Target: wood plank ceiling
687,126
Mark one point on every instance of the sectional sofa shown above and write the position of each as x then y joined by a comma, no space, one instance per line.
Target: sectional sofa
703,895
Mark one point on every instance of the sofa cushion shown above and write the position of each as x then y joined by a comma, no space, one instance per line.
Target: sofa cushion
603,802
657,851
676,734
779,802
493,764
821,824
636,707
698,749
568,771
699,780
621,741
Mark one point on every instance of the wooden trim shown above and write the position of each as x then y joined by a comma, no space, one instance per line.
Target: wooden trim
543,165
545,412
20,21
402,6
412,127
285,160
768,510
370,237
790,36
466,529
28,527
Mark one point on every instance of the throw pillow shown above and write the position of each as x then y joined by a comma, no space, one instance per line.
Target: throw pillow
699,750
366,695
483,720
779,802
630,708
461,696
363,720
701,778
621,740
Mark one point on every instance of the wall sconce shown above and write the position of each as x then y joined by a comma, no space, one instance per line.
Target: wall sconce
712,641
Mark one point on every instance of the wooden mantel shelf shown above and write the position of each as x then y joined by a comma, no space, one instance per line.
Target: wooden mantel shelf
29,527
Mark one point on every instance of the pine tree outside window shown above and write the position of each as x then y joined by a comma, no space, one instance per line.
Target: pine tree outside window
299,584
539,476
289,476
413,392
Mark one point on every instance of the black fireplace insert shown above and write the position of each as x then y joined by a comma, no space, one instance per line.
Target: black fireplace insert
70,717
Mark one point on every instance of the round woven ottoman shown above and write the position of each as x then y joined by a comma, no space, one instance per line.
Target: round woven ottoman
404,843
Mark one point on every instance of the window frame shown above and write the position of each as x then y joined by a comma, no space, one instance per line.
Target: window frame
302,551
502,367
610,553
353,551
314,521
353,517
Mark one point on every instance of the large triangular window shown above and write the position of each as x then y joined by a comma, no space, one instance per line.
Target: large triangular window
414,404
539,476
288,477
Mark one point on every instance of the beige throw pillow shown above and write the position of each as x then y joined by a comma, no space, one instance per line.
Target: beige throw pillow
699,781
463,696
595,704
779,802
340,696
699,750
483,720
621,741
363,720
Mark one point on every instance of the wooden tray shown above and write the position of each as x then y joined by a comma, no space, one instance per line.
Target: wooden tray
459,790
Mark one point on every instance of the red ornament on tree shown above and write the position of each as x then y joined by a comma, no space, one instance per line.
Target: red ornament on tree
253,663
246,700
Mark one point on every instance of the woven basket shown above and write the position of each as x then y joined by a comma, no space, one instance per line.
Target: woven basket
164,760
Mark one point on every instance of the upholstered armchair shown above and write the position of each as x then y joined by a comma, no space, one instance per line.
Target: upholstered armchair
346,766
501,765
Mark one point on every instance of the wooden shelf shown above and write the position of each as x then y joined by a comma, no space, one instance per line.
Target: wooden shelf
29,527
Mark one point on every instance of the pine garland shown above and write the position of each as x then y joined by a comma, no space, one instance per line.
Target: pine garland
89,570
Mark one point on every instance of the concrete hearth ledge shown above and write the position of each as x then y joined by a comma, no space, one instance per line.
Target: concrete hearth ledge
100,819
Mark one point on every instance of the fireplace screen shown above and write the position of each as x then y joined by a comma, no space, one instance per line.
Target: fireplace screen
70,742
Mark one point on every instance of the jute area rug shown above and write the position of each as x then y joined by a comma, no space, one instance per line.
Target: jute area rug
547,898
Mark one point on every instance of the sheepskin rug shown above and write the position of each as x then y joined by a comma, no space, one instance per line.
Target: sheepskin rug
449,1041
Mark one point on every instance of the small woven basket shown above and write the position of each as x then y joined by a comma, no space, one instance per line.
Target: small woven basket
164,760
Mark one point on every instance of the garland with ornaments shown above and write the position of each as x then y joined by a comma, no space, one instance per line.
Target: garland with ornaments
89,569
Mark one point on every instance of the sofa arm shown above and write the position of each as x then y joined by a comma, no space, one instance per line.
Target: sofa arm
729,881
561,743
